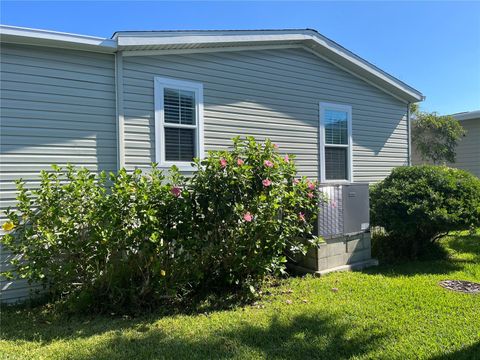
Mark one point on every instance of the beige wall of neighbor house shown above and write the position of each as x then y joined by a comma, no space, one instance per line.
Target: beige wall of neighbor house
468,149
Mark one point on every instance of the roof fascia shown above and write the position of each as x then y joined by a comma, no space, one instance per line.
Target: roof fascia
13,34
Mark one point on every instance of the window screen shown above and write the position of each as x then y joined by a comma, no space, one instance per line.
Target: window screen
180,124
335,163
179,144
336,127
179,106
336,142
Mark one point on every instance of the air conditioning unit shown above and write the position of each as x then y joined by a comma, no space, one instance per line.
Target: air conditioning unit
345,211
343,222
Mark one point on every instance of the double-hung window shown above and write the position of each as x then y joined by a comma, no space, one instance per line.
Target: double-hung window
178,122
335,143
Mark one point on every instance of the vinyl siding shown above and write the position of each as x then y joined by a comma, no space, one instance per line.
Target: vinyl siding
57,106
268,94
468,149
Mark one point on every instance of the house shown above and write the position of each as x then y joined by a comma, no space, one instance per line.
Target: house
468,149
169,96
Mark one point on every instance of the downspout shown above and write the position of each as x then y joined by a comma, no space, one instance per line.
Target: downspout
409,135
119,110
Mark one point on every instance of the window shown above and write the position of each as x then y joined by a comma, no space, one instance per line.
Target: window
335,142
178,122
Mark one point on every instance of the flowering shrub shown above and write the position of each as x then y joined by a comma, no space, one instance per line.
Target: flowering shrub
99,244
247,211
129,240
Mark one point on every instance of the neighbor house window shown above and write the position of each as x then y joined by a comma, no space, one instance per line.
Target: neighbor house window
335,142
178,122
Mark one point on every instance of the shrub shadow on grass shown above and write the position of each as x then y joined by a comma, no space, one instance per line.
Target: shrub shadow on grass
303,337
441,259
417,267
471,352
465,243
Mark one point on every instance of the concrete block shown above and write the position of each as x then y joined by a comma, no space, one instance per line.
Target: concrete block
322,251
358,256
355,244
336,260
322,264
336,248
367,241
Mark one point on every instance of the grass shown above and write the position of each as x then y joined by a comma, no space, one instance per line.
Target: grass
390,312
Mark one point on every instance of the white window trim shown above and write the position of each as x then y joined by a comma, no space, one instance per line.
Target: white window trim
160,83
348,109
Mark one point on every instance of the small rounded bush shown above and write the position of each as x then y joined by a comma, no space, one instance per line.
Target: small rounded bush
416,205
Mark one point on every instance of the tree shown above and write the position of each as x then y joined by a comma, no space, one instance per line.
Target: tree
436,136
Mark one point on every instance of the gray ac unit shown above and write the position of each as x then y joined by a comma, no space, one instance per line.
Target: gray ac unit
345,210
343,222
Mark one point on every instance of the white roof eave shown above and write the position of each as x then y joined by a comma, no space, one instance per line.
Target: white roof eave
20,35
131,41
186,40
469,115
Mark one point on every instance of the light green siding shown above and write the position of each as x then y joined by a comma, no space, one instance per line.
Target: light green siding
268,93
57,106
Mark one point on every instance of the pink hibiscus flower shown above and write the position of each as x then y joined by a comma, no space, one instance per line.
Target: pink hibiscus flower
296,181
311,185
310,195
176,191
266,182
268,163
247,217
223,163
286,158
301,216
240,162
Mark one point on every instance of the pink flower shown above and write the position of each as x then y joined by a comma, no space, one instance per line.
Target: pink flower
286,158
247,217
268,163
176,191
223,163
296,181
301,216
311,185
275,146
266,182
333,204
310,195
240,162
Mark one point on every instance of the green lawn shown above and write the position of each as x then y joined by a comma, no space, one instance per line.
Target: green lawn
391,312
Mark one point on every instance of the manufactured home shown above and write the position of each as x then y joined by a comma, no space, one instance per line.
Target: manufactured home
170,96
468,148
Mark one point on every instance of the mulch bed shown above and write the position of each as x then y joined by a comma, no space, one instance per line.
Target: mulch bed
467,287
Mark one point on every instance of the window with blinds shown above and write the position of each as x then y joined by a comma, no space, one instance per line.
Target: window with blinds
179,140
335,123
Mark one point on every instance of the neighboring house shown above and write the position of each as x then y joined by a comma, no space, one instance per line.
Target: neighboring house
169,96
468,149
